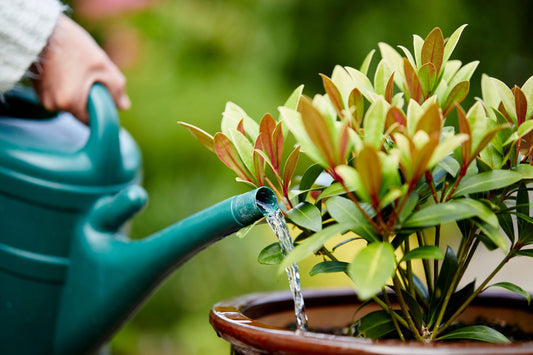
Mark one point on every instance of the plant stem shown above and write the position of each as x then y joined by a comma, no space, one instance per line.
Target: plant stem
436,262
410,281
388,309
425,263
392,313
414,328
476,292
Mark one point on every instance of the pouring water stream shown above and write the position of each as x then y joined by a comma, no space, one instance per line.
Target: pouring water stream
276,220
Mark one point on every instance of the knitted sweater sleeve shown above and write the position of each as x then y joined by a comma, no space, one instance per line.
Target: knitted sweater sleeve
25,26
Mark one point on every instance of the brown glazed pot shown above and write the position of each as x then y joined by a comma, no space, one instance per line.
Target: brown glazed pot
256,324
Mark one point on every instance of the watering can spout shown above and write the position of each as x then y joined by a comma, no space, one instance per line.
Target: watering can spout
115,275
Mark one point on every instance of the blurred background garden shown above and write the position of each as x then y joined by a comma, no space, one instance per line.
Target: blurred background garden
184,59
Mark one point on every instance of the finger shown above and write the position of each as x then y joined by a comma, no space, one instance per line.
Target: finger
115,82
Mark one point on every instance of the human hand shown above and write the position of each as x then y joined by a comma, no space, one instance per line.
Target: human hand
69,65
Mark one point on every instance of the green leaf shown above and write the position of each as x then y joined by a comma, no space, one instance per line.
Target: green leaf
374,123
271,254
375,325
312,244
525,252
346,212
456,96
233,115
327,267
442,284
292,101
452,42
306,215
487,181
424,252
495,237
513,288
476,332
371,268
366,62
308,179
440,213
244,148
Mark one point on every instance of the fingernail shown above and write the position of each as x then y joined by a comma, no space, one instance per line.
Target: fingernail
124,102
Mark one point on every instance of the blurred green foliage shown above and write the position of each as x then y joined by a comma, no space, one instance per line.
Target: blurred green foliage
186,58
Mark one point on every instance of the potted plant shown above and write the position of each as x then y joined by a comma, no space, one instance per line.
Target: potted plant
394,160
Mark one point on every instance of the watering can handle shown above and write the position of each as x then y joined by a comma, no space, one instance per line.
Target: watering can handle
103,145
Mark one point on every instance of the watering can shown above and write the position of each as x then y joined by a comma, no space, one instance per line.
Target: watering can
69,276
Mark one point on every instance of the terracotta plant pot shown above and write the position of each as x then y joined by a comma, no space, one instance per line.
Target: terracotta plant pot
256,324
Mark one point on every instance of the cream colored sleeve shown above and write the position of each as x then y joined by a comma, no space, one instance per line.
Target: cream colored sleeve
25,26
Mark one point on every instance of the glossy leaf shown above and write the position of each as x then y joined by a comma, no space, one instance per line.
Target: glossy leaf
345,212
271,254
487,181
374,123
312,244
371,268
333,94
369,168
443,282
308,179
232,117
229,155
413,83
290,166
328,267
427,75
292,101
306,215
440,213
456,96
476,332
433,49
202,136
451,43
367,61
514,288
520,105
375,325
318,130
424,252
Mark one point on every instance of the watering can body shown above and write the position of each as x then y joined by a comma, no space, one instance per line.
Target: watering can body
69,277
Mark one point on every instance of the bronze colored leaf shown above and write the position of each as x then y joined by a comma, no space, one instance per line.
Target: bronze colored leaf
240,127
266,130
356,103
290,167
228,154
396,116
259,163
430,121
433,49
369,169
318,130
333,94
412,81
389,89
456,96
277,140
520,104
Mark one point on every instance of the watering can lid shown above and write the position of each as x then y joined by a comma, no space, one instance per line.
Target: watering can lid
54,158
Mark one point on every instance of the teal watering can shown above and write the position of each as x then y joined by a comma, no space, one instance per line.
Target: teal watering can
69,277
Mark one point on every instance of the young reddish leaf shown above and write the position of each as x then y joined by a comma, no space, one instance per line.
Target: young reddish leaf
430,121
259,163
503,111
421,158
464,128
433,49
228,154
343,141
456,96
240,127
395,115
413,84
369,168
333,94
266,130
427,76
290,166
389,89
318,130
520,104
356,103
277,140
202,136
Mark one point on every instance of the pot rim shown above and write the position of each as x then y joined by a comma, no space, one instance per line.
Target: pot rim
233,320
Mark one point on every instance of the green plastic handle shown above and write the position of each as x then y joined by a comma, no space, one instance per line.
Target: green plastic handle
103,145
